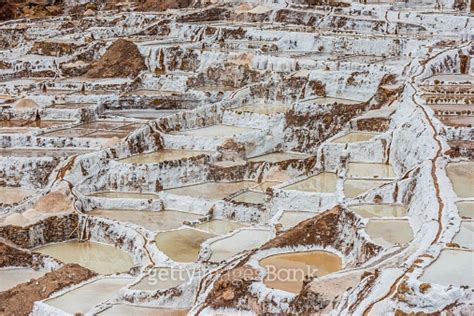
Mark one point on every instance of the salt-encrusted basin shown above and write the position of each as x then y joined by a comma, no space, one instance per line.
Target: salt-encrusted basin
466,208
251,197
461,175
211,190
84,298
264,108
379,210
141,114
265,185
151,220
287,271
278,157
290,218
465,236
355,187
101,258
387,232
244,239
370,170
451,268
355,137
163,278
38,152
130,310
220,227
123,195
163,155
9,195
324,182
12,276
33,124
182,245
219,130
210,88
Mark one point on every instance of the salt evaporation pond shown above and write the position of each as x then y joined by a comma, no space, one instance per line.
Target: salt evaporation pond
130,310
244,239
123,195
212,190
12,276
370,170
163,278
10,195
465,236
379,210
219,130
466,208
461,175
278,157
387,233
265,185
251,197
287,271
220,227
151,220
290,218
84,298
182,245
452,267
355,187
101,258
163,155
324,182
355,137
264,109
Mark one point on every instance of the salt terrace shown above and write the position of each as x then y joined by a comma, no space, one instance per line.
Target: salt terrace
176,157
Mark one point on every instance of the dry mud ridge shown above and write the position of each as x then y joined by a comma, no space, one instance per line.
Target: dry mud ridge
211,157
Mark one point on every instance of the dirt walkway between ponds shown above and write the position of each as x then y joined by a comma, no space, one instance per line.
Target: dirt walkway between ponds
20,299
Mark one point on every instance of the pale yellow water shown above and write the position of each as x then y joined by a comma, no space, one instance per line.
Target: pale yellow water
379,210
370,170
130,310
245,239
290,218
124,195
163,155
354,137
355,187
12,276
182,245
101,258
217,130
465,236
277,157
461,175
220,227
453,267
265,109
389,232
251,197
466,208
152,220
212,190
324,182
82,299
163,278
9,195
287,271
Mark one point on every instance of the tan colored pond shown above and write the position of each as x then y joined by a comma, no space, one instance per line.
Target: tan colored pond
354,137
105,125
465,236
388,233
84,298
251,197
287,271
278,157
265,185
220,227
163,155
69,132
182,245
291,218
163,278
101,258
355,187
451,268
217,131
461,175
379,210
12,276
466,209
212,190
47,123
265,109
244,239
370,170
324,182
151,220
124,195
130,310
10,195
